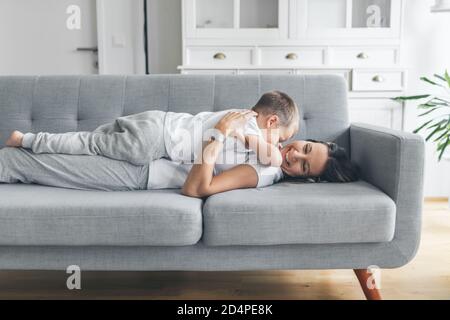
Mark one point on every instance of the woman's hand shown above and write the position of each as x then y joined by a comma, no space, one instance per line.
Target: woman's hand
233,122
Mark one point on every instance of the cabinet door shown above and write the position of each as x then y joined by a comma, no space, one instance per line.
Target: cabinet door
349,18
380,112
236,18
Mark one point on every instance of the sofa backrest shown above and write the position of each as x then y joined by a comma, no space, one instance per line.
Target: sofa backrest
80,103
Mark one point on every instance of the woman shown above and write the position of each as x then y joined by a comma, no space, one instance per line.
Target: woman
300,159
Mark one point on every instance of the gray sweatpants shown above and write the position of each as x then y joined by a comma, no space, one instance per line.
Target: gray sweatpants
71,171
137,138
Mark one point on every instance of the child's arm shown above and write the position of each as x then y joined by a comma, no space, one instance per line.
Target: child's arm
267,153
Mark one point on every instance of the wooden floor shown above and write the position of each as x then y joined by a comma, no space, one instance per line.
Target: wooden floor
426,277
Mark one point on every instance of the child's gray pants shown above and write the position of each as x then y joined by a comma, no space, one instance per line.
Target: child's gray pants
138,139
71,171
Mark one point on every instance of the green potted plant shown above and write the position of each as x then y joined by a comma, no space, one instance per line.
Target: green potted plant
436,110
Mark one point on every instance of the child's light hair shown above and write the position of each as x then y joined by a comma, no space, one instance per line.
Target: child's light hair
280,104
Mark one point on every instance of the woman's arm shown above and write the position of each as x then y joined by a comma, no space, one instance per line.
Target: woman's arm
201,181
239,177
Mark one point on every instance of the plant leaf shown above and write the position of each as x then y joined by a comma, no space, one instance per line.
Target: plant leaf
425,105
429,111
441,136
441,144
445,102
447,78
403,98
444,146
436,130
446,132
422,126
437,102
431,82
437,123
440,77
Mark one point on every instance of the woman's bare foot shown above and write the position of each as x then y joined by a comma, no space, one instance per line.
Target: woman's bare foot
15,139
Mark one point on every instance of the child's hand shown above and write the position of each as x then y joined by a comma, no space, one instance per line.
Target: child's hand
267,153
233,122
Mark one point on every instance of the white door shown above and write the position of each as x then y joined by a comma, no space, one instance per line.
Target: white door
42,37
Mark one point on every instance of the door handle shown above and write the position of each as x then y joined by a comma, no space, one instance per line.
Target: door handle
92,49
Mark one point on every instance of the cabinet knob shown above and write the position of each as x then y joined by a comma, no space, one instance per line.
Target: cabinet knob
291,56
362,55
220,56
378,78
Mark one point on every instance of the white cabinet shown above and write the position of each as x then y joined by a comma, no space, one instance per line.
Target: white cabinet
357,39
348,18
236,18
378,111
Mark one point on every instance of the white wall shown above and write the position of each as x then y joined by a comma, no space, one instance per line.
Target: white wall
34,38
426,50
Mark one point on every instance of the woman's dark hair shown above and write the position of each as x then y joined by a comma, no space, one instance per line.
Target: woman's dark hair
339,168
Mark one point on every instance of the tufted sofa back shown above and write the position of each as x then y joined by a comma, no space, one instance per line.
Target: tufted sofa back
79,103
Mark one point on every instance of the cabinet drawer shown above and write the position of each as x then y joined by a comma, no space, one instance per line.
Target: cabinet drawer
363,57
373,80
267,71
223,56
209,71
292,56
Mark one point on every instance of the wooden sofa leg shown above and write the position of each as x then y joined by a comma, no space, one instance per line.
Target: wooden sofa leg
363,276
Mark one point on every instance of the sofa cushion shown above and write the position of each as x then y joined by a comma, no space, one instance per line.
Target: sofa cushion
299,213
39,215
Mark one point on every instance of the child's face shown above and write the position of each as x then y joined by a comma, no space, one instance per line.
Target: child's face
287,132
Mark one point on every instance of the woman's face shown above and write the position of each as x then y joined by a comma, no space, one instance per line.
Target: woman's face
304,158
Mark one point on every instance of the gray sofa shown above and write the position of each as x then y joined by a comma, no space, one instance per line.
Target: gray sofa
289,225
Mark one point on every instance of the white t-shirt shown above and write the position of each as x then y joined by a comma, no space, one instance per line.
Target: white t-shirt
166,174
186,134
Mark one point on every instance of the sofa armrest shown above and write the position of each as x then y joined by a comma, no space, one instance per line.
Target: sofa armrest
393,161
